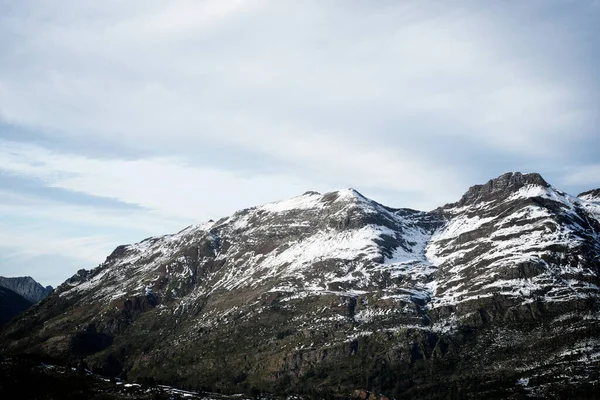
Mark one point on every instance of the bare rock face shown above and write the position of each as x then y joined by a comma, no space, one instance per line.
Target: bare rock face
335,294
498,187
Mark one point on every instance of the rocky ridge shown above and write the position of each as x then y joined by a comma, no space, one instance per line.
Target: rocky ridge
326,294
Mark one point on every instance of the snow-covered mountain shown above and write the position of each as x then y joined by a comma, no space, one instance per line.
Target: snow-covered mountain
517,237
334,292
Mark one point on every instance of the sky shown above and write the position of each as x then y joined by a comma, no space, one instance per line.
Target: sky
124,120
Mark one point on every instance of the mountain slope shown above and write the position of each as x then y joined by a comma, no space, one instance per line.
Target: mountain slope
328,293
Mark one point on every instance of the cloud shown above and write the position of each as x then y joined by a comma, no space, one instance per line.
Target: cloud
144,81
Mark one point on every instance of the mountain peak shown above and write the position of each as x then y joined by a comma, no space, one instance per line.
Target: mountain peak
315,200
350,193
356,193
505,183
311,193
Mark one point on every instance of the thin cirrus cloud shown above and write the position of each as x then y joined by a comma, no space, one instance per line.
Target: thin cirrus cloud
165,114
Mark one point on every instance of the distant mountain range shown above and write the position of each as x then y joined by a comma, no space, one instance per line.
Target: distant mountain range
18,294
27,287
494,296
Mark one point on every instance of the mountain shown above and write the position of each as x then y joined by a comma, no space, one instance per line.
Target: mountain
512,236
27,287
11,304
18,294
496,295
590,195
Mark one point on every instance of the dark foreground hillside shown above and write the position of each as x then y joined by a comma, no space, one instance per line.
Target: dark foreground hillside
11,304
29,378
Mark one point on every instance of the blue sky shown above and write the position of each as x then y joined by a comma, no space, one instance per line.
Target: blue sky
123,120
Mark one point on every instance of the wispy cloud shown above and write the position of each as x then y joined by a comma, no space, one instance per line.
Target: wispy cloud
143,80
